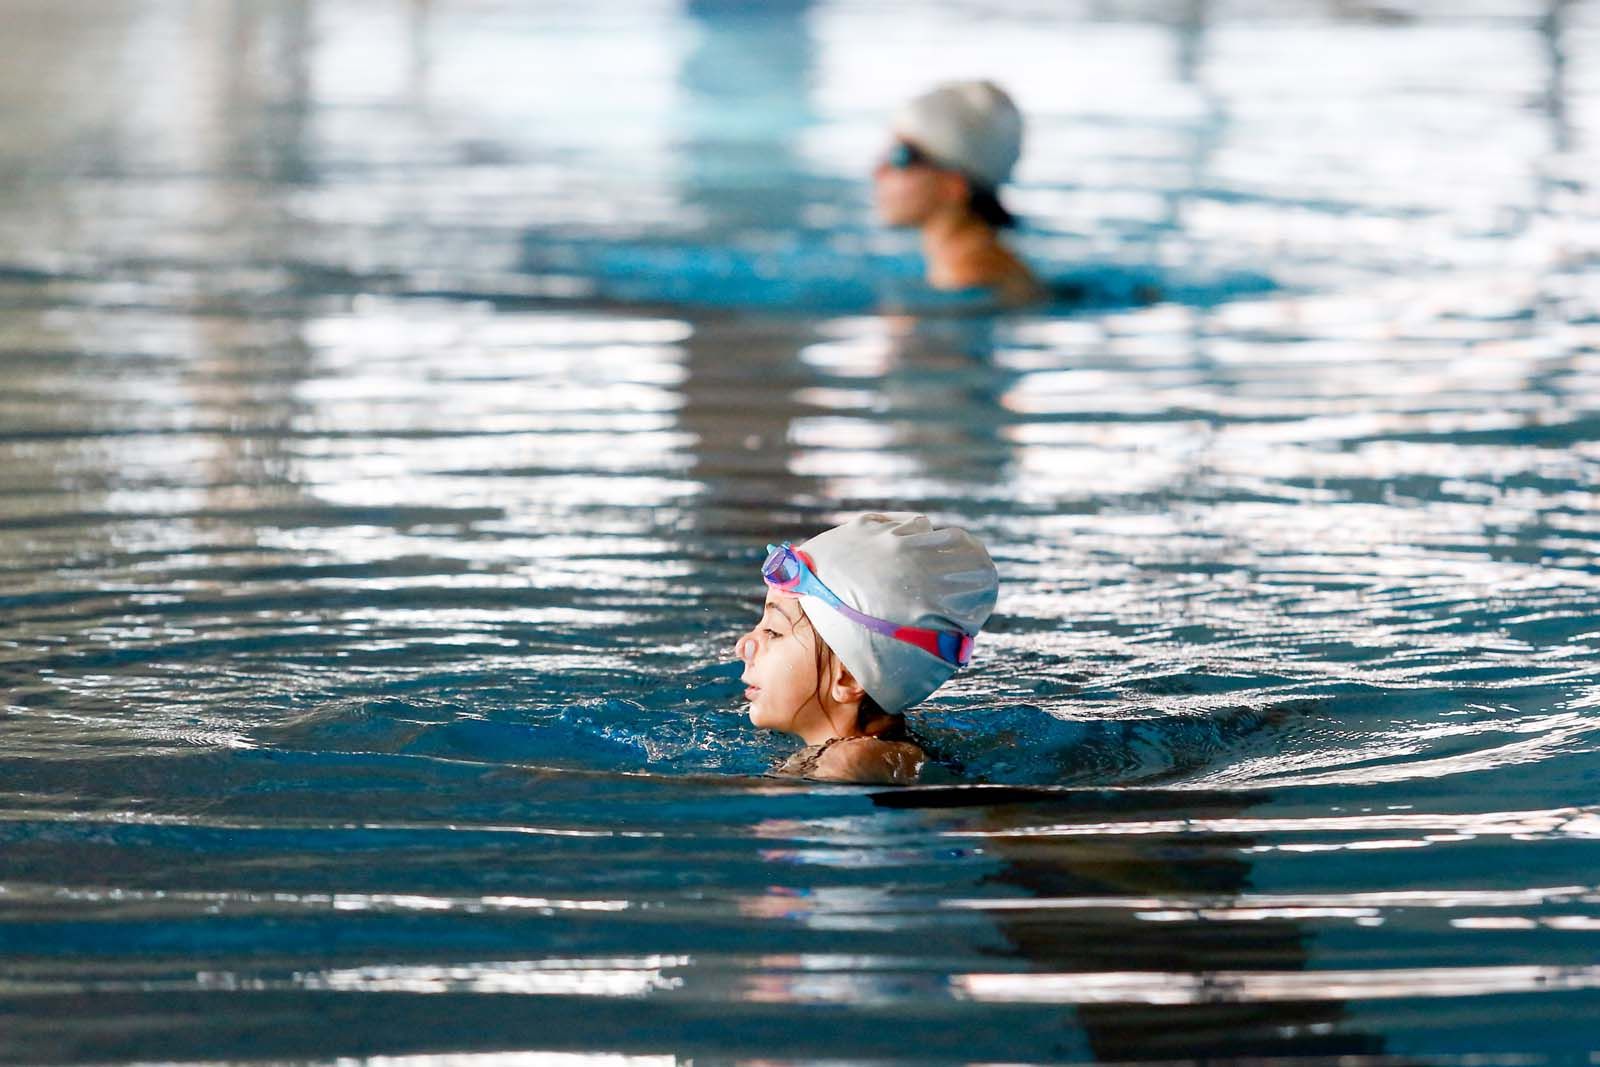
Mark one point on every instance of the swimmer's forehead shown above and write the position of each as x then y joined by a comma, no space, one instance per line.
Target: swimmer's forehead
781,605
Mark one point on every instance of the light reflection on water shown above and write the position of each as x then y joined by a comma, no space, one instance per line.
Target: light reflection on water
1211,988
394,402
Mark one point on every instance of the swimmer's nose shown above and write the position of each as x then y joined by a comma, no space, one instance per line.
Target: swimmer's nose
745,648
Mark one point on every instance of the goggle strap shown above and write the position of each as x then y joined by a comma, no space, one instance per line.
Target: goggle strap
927,640
952,646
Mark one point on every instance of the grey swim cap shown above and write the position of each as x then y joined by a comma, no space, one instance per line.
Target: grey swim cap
898,567
972,126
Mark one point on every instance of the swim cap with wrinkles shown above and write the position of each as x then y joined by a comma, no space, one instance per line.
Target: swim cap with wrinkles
898,566
970,126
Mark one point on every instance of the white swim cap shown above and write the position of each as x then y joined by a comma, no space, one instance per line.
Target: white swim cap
972,126
898,567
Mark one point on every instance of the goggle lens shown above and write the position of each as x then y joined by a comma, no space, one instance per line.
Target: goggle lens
904,156
782,568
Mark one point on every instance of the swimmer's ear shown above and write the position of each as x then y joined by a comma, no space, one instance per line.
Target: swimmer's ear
843,688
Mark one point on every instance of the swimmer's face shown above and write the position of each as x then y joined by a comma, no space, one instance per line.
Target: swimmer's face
912,195
780,667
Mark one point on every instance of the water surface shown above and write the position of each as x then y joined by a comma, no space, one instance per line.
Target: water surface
396,401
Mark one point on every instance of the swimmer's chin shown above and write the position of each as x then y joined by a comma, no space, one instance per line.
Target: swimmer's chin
762,717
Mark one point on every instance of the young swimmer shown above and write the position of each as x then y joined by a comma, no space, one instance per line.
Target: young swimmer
953,148
861,622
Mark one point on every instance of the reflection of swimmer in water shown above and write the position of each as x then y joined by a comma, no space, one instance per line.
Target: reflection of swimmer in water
827,664
953,148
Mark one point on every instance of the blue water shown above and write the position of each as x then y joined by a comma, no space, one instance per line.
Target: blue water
395,403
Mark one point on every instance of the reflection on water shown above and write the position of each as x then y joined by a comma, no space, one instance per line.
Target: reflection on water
1216,975
394,402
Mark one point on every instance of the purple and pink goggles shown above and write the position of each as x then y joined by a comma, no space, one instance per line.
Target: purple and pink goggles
789,571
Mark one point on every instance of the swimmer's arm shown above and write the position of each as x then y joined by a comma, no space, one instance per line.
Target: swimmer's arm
868,761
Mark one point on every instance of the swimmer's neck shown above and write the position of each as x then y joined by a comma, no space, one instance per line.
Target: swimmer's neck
954,230
821,730
963,252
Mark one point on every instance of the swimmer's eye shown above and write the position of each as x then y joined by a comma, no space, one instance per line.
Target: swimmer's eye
771,632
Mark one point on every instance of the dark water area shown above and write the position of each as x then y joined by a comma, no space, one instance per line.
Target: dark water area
396,401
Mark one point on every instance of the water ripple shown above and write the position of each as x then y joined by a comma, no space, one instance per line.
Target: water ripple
393,412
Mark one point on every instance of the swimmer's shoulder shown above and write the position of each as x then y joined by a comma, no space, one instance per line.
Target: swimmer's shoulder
870,761
996,270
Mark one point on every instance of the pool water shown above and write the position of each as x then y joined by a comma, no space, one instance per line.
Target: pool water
396,401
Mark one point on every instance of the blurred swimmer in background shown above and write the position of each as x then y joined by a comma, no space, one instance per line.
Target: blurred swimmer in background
953,147
860,623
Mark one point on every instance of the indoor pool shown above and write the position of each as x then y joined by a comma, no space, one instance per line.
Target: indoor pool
397,398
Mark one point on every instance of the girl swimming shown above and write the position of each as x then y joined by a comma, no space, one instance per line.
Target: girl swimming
862,622
953,147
